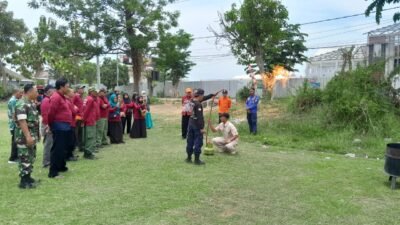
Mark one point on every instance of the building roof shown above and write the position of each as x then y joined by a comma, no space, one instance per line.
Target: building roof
388,30
337,55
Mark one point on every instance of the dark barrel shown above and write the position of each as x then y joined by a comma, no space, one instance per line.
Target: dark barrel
392,163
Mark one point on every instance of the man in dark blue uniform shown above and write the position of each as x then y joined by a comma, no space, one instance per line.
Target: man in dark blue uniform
196,127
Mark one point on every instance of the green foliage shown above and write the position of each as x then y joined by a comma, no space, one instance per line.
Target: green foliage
306,98
378,6
359,99
109,73
259,31
243,93
125,26
173,55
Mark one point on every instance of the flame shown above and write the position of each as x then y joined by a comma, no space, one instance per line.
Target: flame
279,73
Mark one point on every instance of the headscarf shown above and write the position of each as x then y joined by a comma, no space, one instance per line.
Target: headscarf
126,100
114,103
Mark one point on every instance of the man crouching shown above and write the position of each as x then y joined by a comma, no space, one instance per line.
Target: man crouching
229,141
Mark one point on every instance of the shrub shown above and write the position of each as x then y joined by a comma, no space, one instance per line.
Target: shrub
243,94
307,98
359,99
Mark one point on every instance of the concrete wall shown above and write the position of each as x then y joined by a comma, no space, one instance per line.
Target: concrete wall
282,90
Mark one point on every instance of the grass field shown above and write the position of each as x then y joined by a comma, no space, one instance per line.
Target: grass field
147,182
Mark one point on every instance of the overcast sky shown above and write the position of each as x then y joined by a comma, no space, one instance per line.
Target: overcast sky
198,15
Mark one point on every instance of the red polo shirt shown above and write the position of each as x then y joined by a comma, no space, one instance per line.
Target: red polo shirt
74,112
89,111
77,100
103,111
44,108
59,110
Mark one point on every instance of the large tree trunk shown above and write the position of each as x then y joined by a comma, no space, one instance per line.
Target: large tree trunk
137,63
175,85
260,63
4,76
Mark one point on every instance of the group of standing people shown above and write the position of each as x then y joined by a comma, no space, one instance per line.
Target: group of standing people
69,121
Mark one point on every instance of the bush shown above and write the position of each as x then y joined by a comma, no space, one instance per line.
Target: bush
307,98
359,99
243,94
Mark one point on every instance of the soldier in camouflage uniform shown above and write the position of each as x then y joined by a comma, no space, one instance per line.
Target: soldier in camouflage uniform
27,134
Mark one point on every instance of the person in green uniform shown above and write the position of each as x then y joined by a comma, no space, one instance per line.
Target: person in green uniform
27,135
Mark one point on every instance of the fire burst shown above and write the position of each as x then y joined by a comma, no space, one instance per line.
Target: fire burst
279,73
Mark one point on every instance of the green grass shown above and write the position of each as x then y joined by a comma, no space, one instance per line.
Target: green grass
309,131
147,182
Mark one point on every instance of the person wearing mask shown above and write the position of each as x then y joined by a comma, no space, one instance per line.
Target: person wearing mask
46,131
59,119
196,127
78,102
230,138
89,119
186,111
17,94
139,124
102,127
252,108
72,143
27,135
114,118
224,104
127,120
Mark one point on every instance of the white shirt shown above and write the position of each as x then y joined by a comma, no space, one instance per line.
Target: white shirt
228,129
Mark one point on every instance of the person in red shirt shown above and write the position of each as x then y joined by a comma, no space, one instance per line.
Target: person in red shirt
74,109
59,120
46,133
90,115
186,111
114,118
139,129
102,123
77,100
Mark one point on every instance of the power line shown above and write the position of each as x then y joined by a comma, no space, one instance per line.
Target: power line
343,17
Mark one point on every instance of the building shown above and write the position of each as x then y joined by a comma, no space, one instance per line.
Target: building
326,66
384,44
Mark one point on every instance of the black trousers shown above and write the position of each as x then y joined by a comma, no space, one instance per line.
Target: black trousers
185,124
14,150
61,143
126,123
79,135
71,145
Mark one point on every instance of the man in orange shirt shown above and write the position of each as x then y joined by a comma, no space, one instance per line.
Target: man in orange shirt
224,104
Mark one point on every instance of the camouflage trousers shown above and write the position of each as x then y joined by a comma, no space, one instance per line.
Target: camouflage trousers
26,158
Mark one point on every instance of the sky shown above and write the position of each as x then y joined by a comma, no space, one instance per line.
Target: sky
198,15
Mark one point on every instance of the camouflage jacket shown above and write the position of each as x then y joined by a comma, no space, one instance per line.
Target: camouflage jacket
26,110
11,110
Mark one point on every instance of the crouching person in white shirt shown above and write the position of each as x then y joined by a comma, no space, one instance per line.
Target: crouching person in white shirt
230,139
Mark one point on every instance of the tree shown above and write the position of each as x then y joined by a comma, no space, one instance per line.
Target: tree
173,56
109,73
377,6
122,25
87,72
11,33
258,31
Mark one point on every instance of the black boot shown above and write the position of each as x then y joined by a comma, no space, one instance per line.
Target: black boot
189,159
25,183
32,181
197,160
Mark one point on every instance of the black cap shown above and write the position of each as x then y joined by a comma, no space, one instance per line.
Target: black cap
48,87
198,92
225,91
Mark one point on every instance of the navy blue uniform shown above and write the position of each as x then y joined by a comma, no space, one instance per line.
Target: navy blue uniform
196,124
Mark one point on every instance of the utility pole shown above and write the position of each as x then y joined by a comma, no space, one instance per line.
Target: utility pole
117,71
98,66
